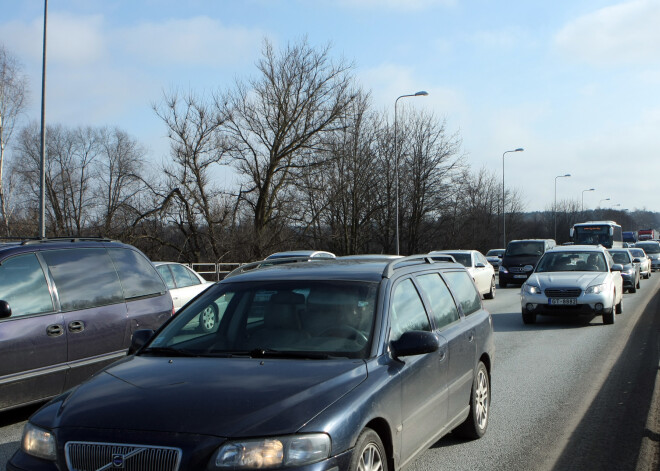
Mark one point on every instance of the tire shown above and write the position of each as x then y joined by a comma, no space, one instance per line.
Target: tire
528,317
208,318
608,317
633,289
369,453
503,284
619,307
476,424
491,293
639,283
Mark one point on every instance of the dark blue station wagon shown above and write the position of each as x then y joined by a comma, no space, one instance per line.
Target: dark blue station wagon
328,365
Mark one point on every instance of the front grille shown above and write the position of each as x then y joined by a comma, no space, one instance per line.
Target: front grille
563,292
89,456
517,269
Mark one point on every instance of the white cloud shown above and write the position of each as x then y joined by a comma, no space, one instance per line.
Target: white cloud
626,33
193,41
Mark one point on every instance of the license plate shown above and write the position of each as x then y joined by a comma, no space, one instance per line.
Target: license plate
520,276
563,301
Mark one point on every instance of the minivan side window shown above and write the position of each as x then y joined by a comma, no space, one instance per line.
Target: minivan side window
24,286
463,287
407,310
85,278
442,303
138,276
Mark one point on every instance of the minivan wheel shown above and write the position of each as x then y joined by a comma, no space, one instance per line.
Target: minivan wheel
477,421
369,454
208,318
491,293
502,284
528,317
619,307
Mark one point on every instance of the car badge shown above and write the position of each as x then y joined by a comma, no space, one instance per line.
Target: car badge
118,461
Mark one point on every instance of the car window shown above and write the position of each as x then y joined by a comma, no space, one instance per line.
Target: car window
621,257
84,278
138,276
167,276
462,286
464,259
444,309
525,248
182,276
407,312
23,285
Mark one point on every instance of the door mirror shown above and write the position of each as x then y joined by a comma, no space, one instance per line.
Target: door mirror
617,267
5,310
416,342
479,265
139,339
637,260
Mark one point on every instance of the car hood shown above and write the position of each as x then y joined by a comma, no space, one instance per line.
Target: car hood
211,396
564,279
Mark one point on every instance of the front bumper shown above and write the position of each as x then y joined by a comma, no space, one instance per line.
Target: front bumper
595,304
506,275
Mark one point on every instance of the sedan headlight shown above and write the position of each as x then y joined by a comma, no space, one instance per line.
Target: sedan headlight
629,271
39,442
595,289
503,269
531,289
265,453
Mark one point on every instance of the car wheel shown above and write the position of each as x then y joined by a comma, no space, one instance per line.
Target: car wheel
608,316
528,317
491,293
477,421
208,318
502,284
619,307
369,454
639,283
633,289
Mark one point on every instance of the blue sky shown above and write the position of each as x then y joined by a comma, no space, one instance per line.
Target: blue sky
574,82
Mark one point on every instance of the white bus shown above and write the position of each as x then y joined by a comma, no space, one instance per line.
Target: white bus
605,233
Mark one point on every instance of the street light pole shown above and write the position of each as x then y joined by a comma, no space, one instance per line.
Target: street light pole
590,189
604,199
396,169
42,183
555,205
519,149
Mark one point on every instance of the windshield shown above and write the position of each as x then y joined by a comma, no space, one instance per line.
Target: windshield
621,256
572,261
525,249
310,319
593,235
649,248
495,253
637,253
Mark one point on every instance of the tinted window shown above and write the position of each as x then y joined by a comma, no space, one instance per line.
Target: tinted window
408,311
621,257
138,276
23,285
84,278
442,303
183,277
166,274
525,248
464,259
466,293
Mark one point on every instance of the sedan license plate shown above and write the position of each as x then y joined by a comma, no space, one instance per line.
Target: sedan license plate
520,276
562,301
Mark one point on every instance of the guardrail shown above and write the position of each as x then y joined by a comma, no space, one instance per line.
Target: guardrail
214,271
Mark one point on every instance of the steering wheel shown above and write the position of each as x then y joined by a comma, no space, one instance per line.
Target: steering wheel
342,330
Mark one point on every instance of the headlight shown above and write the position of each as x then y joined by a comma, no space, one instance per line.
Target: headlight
596,289
264,453
39,442
503,269
531,289
528,267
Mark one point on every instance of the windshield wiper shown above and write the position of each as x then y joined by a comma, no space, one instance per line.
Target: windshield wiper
269,353
169,351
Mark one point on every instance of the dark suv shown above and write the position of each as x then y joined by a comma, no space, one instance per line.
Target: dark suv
520,258
331,365
69,308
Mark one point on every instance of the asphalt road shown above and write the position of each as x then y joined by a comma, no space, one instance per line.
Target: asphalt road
566,394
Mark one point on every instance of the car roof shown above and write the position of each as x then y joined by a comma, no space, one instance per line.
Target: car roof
32,245
451,251
301,253
575,248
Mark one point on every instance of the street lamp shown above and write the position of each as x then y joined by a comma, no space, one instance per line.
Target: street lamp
396,169
519,149
604,199
555,205
590,189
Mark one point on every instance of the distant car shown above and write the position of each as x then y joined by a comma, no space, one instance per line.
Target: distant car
482,272
314,366
520,258
494,257
183,283
573,280
652,249
630,273
301,253
644,261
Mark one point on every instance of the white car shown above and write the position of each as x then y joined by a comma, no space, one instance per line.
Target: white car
477,266
644,261
573,280
182,282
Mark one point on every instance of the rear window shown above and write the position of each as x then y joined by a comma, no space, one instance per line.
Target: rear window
138,276
463,288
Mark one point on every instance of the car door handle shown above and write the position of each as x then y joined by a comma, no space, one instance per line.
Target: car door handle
76,326
442,354
470,336
54,330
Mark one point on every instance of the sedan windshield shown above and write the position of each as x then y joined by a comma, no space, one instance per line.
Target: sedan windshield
292,319
572,261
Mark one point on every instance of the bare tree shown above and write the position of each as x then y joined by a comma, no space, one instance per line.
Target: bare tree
277,124
13,99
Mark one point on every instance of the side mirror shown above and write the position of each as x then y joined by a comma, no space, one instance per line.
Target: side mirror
637,260
617,267
139,340
5,310
479,265
416,342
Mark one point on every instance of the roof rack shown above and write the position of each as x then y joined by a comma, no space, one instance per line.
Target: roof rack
64,239
272,262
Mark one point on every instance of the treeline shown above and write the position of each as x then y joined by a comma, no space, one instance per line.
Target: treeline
312,165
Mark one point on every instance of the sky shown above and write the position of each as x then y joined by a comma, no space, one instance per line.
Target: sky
576,83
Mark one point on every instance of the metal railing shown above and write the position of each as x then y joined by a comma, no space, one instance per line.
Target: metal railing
214,271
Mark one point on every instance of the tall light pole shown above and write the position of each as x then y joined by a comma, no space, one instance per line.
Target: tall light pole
42,190
519,149
555,205
396,169
590,189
